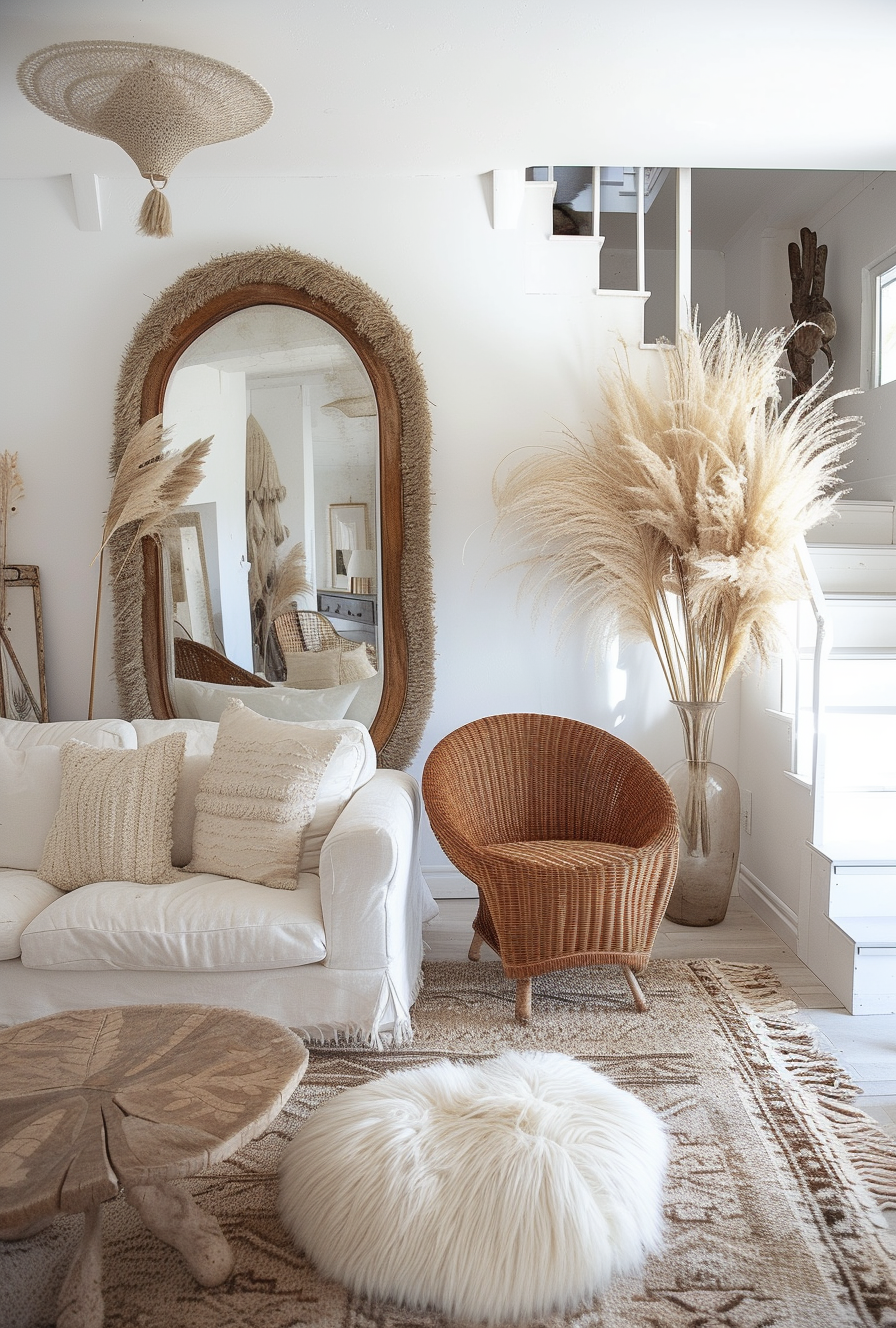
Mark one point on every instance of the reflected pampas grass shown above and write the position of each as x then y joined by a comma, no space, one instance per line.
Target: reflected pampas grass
677,519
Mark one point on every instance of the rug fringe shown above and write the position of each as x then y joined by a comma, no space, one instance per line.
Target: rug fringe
870,1150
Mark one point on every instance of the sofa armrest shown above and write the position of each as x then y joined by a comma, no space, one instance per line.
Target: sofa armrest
371,888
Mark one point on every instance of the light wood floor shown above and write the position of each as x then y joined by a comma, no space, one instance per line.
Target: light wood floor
864,1044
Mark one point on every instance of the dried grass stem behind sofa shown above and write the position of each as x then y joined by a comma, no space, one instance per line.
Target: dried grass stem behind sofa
570,835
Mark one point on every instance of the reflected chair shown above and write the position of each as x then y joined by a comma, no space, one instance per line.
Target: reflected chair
570,835
202,664
306,629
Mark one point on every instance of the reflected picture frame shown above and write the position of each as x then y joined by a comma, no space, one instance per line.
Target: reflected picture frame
181,536
349,530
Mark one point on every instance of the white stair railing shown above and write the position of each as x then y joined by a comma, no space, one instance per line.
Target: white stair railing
823,644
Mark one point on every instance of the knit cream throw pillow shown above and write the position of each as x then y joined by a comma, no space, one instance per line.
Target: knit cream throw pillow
257,797
114,817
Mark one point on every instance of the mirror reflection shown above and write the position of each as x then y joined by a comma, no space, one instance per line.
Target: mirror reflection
272,569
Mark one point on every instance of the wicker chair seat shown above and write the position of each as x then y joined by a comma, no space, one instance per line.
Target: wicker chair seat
590,882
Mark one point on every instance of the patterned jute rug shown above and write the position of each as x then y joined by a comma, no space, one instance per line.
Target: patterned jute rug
771,1214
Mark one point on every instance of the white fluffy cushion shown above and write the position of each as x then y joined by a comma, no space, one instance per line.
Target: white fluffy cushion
114,817
95,732
206,700
30,780
257,797
501,1191
195,924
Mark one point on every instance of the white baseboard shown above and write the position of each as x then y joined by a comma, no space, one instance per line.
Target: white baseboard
446,882
773,911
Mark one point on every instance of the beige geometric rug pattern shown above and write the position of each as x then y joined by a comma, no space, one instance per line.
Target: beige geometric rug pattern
771,1219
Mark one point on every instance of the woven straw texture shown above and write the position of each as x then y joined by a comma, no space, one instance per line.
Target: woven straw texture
115,814
770,1216
156,102
202,664
374,320
569,833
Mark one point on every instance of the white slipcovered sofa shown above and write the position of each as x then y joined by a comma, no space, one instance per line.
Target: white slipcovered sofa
337,958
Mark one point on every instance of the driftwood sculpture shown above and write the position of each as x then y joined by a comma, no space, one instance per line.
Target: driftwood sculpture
809,307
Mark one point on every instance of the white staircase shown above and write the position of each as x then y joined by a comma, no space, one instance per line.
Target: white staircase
848,676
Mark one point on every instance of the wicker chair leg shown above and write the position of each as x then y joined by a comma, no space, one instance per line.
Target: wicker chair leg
523,1000
475,947
634,984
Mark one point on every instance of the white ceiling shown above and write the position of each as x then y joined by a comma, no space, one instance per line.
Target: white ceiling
458,86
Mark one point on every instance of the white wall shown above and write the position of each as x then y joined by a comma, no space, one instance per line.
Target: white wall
859,228
504,370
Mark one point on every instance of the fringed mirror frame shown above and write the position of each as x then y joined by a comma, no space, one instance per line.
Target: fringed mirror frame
195,302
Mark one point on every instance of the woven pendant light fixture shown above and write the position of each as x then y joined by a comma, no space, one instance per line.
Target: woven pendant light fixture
156,102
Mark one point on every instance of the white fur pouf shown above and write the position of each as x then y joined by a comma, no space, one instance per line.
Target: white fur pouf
498,1191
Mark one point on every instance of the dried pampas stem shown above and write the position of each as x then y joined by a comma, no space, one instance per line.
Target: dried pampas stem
155,214
149,485
11,489
677,520
286,580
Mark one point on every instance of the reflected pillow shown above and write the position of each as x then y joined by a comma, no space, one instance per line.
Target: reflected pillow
206,700
258,796
313,668
114,817
328,668
355,665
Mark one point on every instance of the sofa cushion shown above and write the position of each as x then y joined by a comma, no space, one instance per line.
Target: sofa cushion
30,779
114,817
351,766
22,896
95,732
198,922
200,733
206,700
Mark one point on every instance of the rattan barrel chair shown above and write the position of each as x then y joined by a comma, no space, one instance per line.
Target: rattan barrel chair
570,835
202,664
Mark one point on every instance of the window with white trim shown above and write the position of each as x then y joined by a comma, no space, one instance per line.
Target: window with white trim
883,368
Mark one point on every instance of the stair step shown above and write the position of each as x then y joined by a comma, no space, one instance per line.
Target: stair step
856,522
858,622
864,568
859,826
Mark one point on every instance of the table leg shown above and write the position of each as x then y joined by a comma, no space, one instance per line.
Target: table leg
172,1215
80,1303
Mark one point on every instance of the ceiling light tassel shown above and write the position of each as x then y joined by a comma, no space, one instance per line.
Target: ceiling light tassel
155,214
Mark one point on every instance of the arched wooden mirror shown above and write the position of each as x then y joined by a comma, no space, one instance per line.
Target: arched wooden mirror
286,358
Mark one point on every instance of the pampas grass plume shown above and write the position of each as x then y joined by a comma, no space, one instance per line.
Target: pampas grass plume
678,518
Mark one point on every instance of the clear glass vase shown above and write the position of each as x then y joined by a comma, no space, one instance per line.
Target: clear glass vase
708,801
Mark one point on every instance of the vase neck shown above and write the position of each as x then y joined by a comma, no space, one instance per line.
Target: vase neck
697,719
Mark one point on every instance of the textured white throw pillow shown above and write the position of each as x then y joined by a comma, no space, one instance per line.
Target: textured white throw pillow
114,817
258,796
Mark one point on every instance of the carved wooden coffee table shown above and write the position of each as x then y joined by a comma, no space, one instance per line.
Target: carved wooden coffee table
94,1101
